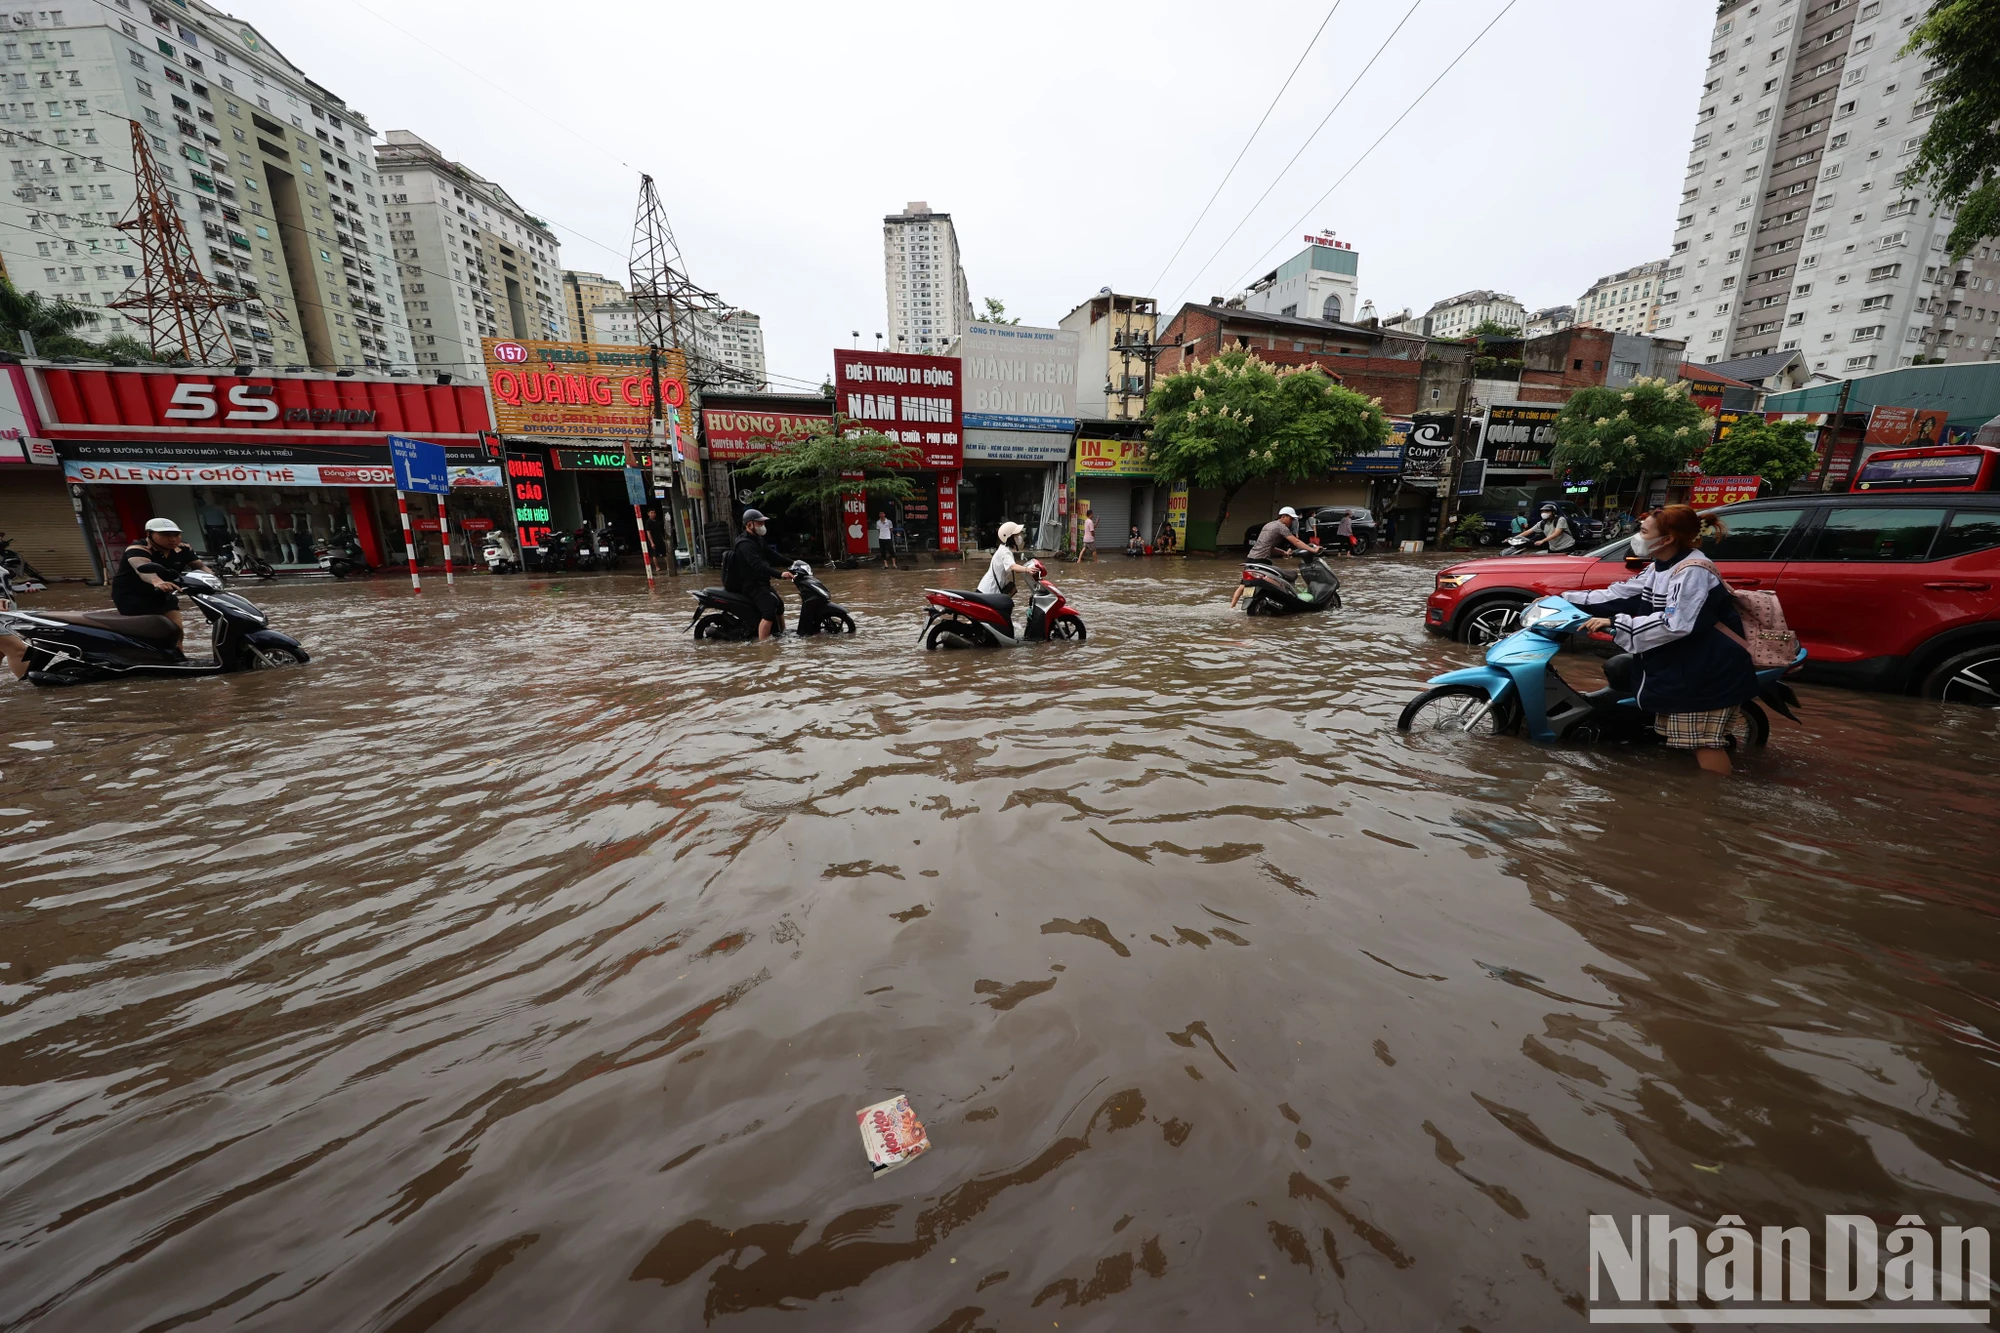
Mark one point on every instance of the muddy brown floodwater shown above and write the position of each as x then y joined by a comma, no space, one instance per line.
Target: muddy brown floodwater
519,964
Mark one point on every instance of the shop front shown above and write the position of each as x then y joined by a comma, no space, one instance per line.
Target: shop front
1115,486
1015,476
1019,391
39,516
914,400
1516,440
279,463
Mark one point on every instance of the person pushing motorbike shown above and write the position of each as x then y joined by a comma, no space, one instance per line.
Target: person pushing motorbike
1268,547
751,572
1006,563
142,586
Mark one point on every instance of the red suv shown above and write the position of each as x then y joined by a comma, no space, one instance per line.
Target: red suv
1888,592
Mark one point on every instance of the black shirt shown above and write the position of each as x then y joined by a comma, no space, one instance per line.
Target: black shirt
131,594
752,568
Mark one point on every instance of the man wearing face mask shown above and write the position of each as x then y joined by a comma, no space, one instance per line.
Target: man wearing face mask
751,571
1552,534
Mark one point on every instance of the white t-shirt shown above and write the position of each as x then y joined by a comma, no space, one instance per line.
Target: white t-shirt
1090,531
885,531
1000,572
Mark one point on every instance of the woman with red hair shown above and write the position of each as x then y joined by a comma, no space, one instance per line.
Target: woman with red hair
1689,674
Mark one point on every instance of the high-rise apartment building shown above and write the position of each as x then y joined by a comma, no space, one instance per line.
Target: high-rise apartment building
1627,301
272,175
1795,232
473,263
725,348
583,293
930,304
1456,316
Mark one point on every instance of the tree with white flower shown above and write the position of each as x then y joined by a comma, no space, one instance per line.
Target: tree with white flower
1614,435
1230,420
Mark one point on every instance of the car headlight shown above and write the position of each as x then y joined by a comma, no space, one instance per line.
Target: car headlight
1447,582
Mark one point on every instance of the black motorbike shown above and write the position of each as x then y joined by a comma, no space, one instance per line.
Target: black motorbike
1276,593
552,556
82,647
721,614
24,576
341,554
235,560
583,542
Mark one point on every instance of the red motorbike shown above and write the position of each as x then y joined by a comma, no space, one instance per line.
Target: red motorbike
984,620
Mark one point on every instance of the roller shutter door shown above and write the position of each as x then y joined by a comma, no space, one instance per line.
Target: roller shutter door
40,522
1111,504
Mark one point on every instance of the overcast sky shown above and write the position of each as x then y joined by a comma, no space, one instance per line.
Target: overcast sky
1072,143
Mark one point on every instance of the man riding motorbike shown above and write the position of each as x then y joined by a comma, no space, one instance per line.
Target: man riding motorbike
138,588
751,572
1267,547
1006,563
1552,533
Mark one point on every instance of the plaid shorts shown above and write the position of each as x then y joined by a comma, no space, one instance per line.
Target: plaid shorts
1696,731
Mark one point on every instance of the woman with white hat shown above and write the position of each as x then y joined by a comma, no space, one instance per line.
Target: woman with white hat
1006,563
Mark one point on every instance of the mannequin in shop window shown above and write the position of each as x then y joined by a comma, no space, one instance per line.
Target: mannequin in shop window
214,521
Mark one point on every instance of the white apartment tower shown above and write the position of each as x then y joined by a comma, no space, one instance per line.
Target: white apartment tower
272,175
473,263
1627,301
583,293
930,304
1456,316
1794,232
727,346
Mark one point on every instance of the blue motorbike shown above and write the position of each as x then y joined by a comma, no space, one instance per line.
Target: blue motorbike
1519,688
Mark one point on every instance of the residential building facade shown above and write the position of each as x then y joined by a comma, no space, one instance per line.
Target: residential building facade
1794,232
473,263
930,304
1459,315
583,293
725,348
1319,282
1627,301
1550,319
272,175
1115,337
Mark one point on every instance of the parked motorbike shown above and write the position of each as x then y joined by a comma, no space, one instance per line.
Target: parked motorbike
499,555
583,542
80,647
608,549
235,560
721,614
553,555
980,620
1519,689
1276,593
24,576
341,554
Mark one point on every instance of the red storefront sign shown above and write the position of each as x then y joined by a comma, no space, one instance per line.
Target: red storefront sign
1905,427
947,512
735,434
914,399
167,405
1707,491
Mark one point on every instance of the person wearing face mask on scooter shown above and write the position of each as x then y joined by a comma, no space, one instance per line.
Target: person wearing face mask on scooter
1006,563
751,572
1670,622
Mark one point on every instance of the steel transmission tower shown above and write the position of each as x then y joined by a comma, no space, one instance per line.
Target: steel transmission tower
178,307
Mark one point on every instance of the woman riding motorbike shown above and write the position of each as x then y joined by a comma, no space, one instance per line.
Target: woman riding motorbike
1689,674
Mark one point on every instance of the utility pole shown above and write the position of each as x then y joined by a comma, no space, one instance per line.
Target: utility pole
1448,484
181,307
666,302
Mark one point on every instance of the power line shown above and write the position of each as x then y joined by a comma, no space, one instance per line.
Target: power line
1385,134
1246,148
1295,156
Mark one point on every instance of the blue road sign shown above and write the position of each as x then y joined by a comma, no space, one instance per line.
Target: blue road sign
419,465
635,485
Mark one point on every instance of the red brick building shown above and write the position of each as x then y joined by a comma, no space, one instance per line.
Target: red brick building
1408,372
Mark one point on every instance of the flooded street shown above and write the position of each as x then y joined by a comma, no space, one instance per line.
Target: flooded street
521,964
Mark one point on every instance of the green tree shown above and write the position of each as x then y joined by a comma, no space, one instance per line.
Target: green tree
996,312
1777,451
812,473
1610,435
1236,418
1959,160
52,324
1492,328
122,347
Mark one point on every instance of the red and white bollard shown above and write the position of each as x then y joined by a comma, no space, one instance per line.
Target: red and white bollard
645,547
409,542
444,535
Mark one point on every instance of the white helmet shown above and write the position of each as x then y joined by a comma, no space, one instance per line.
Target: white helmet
1010,530
162,525
1288,512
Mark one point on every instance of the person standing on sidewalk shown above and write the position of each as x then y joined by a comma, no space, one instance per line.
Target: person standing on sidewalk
885,539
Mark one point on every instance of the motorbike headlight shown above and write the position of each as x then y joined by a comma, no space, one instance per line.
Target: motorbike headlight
1448,581
1537,612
